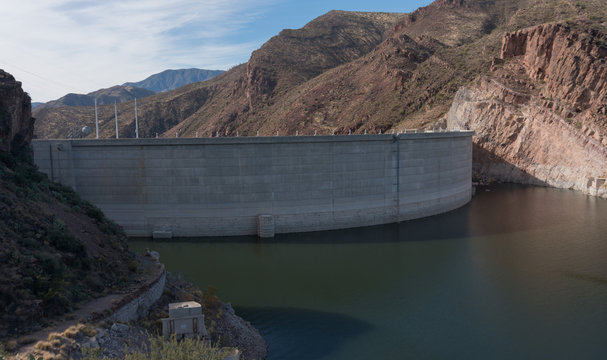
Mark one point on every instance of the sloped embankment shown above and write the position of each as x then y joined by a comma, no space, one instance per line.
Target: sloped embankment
56,249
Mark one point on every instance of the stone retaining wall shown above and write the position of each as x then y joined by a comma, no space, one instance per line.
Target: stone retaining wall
139,306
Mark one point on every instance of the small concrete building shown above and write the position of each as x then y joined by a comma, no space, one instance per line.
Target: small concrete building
185,320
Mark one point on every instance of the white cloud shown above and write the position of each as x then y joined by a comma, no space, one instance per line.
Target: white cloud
60,46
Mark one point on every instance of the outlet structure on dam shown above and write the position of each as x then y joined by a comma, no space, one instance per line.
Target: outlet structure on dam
264,185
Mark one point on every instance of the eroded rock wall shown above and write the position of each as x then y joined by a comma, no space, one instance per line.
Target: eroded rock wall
540,114
16,122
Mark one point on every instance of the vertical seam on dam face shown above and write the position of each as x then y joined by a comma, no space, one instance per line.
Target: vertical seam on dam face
397,179
332,184
50,154
72,172
264,185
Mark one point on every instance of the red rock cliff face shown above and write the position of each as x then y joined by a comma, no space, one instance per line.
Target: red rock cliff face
571,64
540,116
16,122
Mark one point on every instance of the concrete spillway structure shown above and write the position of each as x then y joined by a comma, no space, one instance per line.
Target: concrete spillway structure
264,185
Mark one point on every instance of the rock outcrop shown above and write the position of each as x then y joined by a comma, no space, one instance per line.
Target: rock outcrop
16,122
540,115
241,334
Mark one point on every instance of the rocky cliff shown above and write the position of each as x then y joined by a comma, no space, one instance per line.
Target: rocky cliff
16,122
540,114
55,249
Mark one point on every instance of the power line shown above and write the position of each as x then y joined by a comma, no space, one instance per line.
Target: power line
69,87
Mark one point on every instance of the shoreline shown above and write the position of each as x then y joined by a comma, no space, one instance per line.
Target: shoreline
116,322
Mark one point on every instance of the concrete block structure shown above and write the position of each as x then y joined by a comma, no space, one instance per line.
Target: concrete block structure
264,185
185,320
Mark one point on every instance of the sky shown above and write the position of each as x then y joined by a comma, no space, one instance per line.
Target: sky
56,47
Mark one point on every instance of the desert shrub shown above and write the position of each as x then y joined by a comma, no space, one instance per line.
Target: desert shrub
133,265
210,299
61,239
88,330
56,343
30,242
94,282
43,345
51,263
106,229
11,346
72,331
54,336
8,160
171,350
94,212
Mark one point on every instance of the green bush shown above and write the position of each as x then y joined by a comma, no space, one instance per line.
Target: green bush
61,239
133,266
94,212
30,242
8,160
210,299
51,263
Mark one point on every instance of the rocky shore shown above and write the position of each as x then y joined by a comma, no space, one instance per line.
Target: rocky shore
109,339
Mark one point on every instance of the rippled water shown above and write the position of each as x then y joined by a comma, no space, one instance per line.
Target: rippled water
520,272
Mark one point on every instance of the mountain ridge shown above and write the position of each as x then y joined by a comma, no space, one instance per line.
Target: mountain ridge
111,95
379,87
166,80
170,79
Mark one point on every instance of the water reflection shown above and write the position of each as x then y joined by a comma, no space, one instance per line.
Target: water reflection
509,208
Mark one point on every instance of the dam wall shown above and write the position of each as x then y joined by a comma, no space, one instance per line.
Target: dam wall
263,185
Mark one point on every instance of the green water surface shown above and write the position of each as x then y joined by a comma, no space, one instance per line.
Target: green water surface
520,272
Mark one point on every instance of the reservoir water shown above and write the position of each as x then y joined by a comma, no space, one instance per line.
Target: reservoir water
520,272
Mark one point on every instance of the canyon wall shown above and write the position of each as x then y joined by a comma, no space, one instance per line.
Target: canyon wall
540,114
16,122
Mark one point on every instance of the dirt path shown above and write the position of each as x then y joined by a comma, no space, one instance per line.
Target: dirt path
94,309
81,315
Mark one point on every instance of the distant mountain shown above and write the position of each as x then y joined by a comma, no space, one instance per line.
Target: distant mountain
161,82
172,79
118,93
35,104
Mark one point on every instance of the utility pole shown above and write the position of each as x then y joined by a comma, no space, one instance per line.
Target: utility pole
96,121
136,122
116,117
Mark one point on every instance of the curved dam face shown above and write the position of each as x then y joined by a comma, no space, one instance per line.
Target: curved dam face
264,185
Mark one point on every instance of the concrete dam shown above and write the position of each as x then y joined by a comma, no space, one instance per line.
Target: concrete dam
190,187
